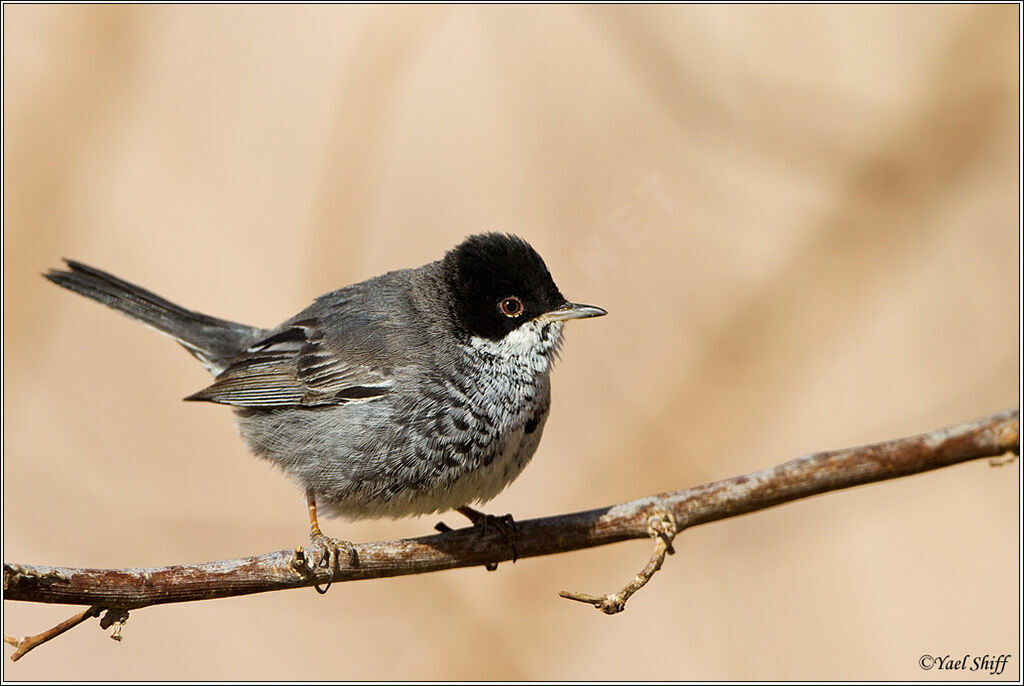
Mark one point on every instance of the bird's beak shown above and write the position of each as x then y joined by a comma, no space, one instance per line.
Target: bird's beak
572,311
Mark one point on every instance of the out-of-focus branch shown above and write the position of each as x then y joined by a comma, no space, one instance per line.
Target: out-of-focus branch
126,589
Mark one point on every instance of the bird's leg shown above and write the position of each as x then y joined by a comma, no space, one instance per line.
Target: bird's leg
330,548
506,526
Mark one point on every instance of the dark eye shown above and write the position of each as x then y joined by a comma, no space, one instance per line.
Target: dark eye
511,306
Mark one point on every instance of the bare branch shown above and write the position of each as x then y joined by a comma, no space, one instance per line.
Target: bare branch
24,645
126,589
661,526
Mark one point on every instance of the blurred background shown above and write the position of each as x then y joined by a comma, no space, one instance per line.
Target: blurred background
802,220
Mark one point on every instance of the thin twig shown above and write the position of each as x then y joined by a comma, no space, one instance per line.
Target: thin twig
24,645
662,528
991,436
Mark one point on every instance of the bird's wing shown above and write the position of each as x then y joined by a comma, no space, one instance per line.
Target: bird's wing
296,365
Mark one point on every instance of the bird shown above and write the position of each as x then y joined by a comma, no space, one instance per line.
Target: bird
418,391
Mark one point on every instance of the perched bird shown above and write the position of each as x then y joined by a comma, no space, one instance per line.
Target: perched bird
418,391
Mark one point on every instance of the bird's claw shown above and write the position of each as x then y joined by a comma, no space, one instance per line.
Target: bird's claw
329,553
504,524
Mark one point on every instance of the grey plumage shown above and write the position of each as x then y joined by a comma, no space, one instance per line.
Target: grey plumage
213,341
417,391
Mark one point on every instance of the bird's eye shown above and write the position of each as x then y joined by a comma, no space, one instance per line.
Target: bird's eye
511,306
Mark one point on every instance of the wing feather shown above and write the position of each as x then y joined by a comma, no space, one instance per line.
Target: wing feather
292,366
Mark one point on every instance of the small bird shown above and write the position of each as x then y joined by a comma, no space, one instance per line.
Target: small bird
418,391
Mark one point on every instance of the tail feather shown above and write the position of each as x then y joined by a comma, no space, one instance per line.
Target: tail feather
213,341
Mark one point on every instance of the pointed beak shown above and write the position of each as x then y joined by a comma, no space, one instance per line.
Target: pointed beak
572,311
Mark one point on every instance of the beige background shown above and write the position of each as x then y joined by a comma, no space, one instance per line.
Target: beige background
803,221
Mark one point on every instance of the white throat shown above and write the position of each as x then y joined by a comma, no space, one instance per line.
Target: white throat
533,345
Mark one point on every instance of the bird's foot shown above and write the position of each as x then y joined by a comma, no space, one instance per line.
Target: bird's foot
503,524
330,550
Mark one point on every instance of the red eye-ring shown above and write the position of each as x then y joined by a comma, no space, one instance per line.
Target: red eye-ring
511,306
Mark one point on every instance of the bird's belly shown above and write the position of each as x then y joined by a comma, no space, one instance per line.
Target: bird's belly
448,479
382,460
511,453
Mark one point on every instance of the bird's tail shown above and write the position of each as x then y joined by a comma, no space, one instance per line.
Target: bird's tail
213,341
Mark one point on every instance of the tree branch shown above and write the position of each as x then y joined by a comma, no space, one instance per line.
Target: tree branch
126,589
661,526
23,645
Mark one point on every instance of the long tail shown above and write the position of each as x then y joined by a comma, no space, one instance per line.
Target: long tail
213,341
